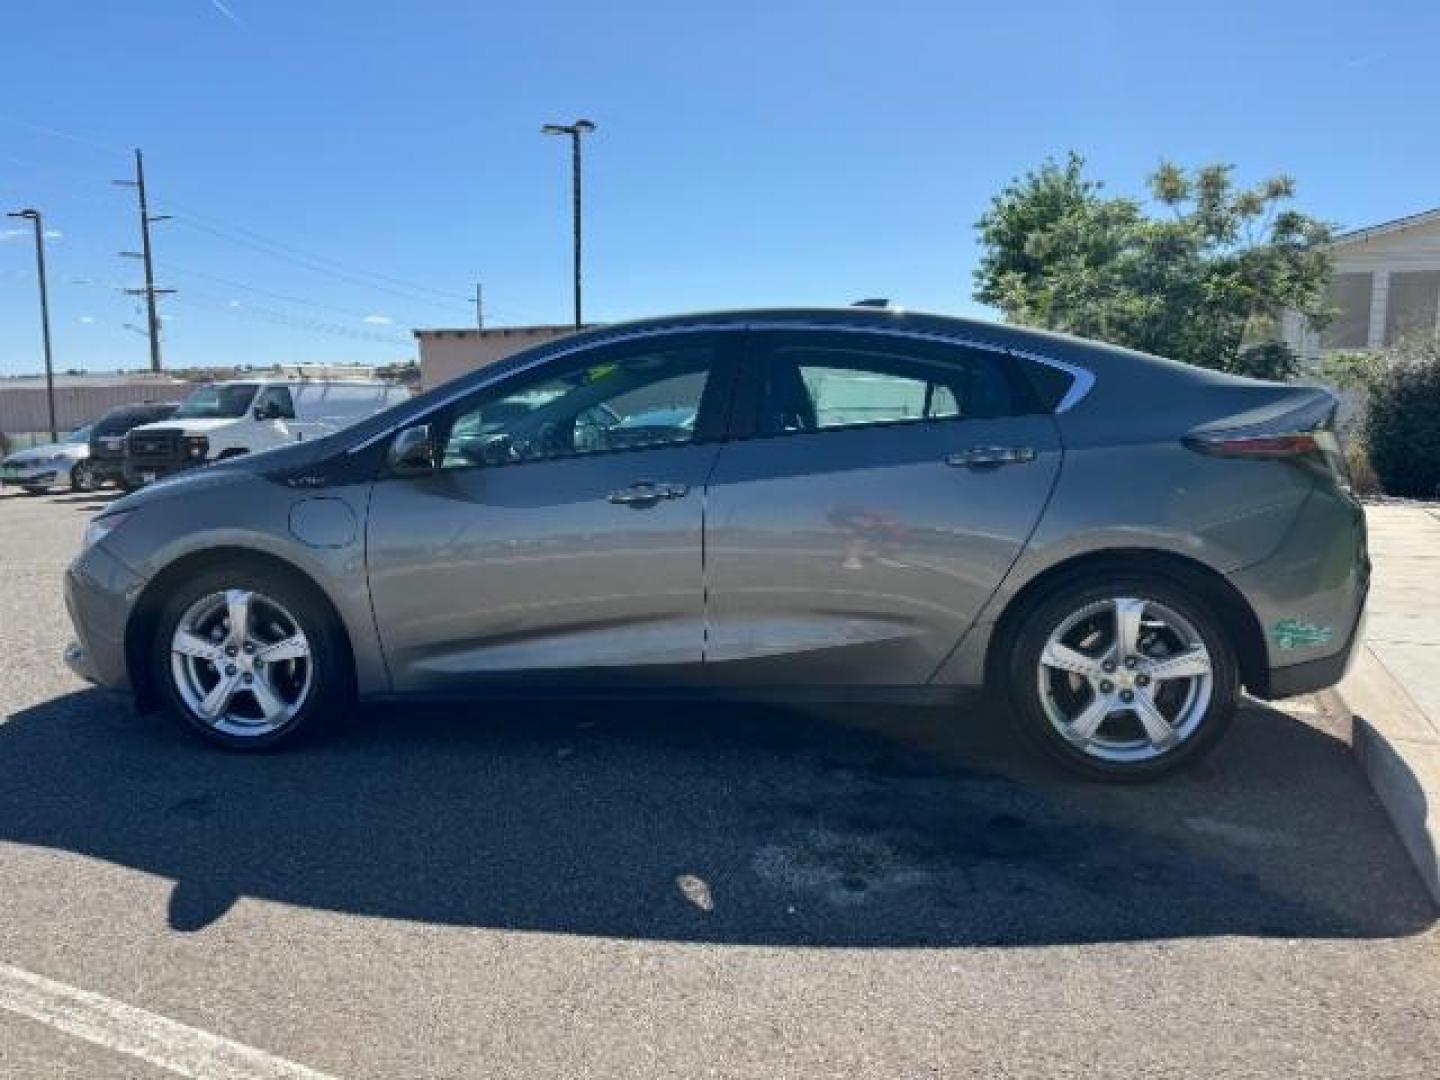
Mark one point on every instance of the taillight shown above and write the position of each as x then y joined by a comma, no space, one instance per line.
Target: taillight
1298,444
1316,450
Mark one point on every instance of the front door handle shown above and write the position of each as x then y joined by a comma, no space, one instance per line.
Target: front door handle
980,457
645,493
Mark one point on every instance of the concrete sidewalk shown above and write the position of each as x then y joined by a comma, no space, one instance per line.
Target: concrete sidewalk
1392,693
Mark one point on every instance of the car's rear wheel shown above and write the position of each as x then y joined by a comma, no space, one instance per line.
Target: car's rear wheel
248,657
1123,678
82,477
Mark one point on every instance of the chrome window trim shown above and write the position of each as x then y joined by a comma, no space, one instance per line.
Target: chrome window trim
1084,379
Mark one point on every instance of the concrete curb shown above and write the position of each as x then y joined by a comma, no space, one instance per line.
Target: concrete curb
1400,755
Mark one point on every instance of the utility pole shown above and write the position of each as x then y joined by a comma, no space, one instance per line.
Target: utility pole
479,306
575,131
33,216
152,321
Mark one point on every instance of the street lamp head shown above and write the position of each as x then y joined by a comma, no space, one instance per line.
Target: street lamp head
579,127
30,215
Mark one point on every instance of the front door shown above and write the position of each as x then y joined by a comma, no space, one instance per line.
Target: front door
561,536
885,488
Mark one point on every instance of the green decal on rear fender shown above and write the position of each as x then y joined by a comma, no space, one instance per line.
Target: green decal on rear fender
1294,634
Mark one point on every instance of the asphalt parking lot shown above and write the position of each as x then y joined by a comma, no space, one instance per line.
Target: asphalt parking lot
607,891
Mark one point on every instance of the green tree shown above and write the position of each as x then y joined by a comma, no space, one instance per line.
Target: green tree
1203,279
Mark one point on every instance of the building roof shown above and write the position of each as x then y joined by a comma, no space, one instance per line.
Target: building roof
26,382
1370,232
550,330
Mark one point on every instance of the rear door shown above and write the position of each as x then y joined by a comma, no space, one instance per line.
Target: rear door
876,490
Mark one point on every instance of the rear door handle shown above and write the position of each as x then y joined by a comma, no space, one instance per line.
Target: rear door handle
645,493
980,457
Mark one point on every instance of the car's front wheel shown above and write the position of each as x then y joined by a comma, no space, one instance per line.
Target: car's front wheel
1123,678
248,656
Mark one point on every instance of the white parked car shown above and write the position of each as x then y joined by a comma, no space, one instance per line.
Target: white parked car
225,419
52,465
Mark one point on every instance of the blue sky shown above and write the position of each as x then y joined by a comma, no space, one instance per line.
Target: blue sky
747,153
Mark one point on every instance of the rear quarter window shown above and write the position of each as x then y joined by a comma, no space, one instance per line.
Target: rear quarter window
1048,384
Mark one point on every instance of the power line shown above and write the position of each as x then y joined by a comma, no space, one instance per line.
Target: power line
236,234
271,294
289,320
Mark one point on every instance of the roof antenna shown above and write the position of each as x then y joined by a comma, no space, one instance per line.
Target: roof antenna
873,302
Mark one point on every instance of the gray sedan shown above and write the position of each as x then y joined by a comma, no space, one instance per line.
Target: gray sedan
760,504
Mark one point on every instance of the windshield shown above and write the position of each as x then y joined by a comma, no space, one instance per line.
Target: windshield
217,402
80,434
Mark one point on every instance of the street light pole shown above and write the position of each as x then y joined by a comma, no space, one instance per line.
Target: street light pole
575,131
33,216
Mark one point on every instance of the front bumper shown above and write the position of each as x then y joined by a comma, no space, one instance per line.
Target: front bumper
140,473
100,592
42,477
107,467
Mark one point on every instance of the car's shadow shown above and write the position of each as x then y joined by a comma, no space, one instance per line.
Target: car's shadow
866,827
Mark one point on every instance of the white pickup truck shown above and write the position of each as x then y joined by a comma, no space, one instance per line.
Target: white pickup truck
241,416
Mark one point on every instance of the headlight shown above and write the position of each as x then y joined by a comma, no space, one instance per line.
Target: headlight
196,447
103,526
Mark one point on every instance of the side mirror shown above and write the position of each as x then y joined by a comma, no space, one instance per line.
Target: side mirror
269,411
413,453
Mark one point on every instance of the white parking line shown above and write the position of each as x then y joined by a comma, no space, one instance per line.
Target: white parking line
114,1025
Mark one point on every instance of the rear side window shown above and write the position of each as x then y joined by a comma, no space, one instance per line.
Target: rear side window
815,381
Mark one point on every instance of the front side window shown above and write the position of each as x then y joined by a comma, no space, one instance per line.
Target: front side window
834,383
228,402
603,401
275,403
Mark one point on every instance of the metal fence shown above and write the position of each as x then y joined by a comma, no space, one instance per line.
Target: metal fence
24,412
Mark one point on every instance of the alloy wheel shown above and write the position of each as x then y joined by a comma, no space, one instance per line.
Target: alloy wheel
1125,679
241,662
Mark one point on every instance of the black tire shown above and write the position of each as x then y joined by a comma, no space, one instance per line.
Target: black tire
82,477
331,688
1023,674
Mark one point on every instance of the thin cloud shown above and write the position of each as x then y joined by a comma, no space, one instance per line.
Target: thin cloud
7,235
378,320
227,13
87,319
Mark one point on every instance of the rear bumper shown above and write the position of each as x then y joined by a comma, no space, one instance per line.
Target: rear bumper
1309,599
1308,676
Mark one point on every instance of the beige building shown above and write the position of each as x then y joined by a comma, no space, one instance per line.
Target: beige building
444,354
1386,286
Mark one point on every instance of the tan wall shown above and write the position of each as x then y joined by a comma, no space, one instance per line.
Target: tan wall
23,408
445,354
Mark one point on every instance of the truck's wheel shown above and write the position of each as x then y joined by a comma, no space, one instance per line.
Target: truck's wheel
82,477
